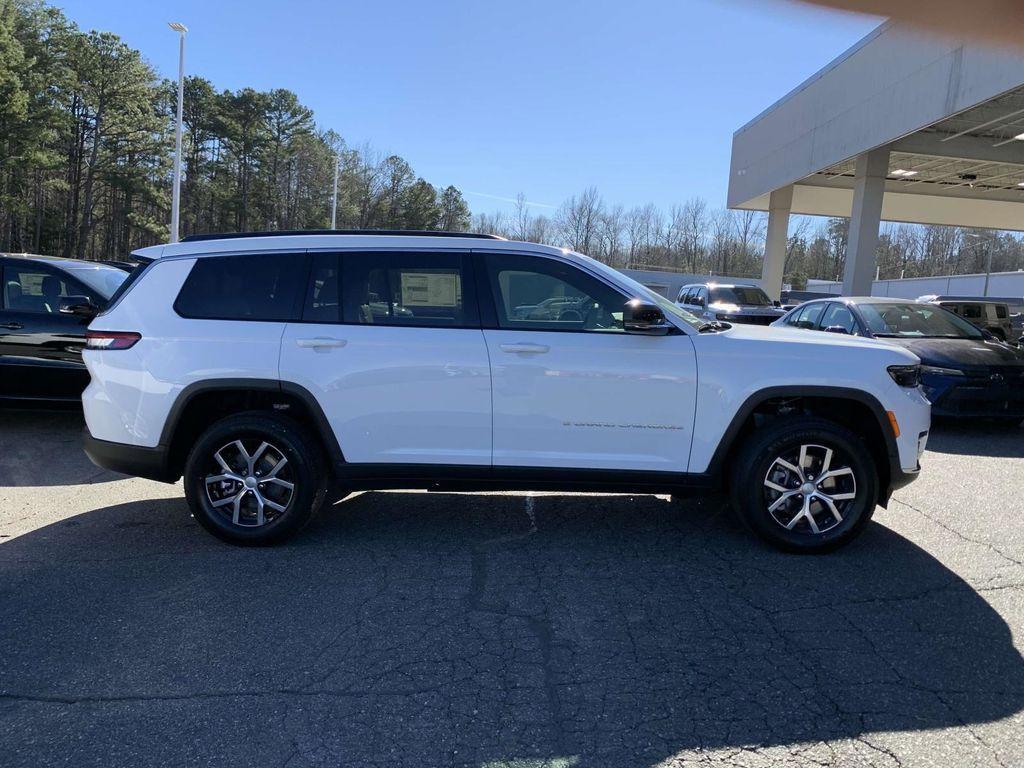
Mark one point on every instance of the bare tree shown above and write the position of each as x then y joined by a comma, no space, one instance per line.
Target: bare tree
578,220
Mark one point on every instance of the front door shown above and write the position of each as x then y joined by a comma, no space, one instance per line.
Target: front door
40,347
571,388
391,346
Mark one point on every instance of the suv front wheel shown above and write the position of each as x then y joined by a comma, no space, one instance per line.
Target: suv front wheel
254,478
805,484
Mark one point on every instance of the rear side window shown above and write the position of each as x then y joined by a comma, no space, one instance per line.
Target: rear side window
419,289
323,295
1001,311
971,311
267,286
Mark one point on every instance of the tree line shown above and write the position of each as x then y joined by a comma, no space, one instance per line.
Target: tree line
694,238
86,152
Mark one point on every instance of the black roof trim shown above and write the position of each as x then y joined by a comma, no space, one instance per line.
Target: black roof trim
382,232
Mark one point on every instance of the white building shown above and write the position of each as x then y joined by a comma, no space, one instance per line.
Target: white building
902,127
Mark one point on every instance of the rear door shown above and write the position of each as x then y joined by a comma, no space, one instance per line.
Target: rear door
576,391
390,345
40,347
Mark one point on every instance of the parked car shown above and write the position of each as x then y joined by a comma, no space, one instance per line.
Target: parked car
734,303
251,366
991,316
46,304
966,372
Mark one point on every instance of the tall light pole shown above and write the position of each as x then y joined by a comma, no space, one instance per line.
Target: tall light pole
988,259
181,29
334,197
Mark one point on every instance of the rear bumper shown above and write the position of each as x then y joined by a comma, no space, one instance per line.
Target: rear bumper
135,460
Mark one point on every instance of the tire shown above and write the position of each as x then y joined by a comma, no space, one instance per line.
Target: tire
761,478
228,497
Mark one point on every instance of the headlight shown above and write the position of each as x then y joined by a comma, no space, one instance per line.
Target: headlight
936,371
905,375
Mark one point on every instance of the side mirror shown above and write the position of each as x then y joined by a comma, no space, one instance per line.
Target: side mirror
987,335
837,329
776,303
698,301
643,318
79,306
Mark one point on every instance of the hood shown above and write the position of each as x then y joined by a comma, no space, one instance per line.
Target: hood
786,335
961,353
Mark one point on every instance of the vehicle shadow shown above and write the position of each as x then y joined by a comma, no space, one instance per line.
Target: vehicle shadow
44,448
976,438
433,629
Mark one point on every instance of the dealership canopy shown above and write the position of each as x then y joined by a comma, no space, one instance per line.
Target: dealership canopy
902,127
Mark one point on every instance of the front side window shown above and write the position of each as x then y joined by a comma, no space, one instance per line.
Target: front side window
915,321
533,293
30,289
425,289
808,316
839,315
100,278
266,286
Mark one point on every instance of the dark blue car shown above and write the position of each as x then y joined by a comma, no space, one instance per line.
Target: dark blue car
965,372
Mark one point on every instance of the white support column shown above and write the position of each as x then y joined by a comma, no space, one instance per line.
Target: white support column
779,205
868,191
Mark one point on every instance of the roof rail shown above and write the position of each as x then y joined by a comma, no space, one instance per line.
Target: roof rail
388,232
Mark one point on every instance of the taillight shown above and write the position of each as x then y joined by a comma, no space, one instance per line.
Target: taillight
111,339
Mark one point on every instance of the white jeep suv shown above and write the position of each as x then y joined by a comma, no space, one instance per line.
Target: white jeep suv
272,369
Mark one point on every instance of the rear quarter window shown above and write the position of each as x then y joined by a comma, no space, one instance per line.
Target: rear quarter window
268,287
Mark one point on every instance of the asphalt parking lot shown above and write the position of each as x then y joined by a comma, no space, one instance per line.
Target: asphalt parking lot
412,629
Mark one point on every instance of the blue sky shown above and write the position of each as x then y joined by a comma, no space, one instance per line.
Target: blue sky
544,97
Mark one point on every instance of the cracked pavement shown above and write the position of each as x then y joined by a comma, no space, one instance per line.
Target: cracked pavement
499,630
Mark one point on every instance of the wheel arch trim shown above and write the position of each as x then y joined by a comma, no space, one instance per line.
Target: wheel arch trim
190,392
761,396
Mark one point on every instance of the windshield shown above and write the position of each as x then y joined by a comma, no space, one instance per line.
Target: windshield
746,295
916,321
101,278
641,291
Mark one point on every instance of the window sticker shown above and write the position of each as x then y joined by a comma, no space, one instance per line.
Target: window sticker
430,289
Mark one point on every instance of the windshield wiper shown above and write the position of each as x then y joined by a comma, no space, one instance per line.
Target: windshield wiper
713,327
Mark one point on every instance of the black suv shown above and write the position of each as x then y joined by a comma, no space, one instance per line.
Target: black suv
45,305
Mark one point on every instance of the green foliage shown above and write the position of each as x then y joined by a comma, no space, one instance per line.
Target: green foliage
86,152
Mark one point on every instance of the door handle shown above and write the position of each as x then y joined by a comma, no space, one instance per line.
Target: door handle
12,326
533,349
320,342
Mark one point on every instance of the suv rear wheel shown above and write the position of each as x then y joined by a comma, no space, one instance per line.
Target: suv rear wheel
254,478
805,485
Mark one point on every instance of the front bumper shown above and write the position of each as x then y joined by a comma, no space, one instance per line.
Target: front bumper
975,396
135,460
